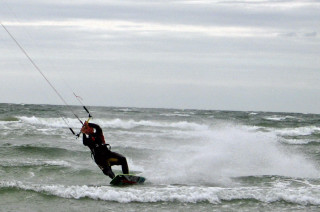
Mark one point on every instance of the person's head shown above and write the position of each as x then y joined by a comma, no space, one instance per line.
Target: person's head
86,129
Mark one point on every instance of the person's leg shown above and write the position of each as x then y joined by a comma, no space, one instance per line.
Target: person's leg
105,167
107,171
117,159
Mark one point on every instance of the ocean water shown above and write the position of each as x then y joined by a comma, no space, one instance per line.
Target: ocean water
194,160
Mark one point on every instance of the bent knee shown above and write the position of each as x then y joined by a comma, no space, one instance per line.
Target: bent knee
117,161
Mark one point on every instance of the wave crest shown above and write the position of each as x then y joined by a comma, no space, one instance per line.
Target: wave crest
114,123
185,194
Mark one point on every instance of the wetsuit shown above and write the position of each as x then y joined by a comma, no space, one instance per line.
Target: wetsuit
103,157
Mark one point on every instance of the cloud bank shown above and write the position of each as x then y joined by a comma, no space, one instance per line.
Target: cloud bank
226,55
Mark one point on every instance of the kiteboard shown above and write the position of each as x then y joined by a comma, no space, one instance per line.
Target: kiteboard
127,179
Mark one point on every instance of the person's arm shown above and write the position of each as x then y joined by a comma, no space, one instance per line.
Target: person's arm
86,141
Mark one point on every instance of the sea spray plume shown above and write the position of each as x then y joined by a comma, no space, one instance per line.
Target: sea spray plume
225,151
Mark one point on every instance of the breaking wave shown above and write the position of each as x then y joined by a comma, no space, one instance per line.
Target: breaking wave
184,194
114,123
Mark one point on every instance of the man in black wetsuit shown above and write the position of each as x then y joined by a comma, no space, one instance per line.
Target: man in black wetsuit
103,157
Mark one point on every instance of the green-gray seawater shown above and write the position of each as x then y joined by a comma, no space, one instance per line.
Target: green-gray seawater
194,160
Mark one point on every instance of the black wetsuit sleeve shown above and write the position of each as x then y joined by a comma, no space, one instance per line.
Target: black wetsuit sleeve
86,141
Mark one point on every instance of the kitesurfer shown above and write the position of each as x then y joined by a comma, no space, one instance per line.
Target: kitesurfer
104,158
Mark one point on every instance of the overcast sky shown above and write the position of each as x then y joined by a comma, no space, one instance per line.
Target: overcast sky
244,55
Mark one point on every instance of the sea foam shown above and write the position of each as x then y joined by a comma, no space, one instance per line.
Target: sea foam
185,194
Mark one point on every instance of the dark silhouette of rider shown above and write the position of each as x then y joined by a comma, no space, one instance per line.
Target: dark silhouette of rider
104,158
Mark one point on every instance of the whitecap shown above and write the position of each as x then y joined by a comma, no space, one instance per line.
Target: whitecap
303,131
170,193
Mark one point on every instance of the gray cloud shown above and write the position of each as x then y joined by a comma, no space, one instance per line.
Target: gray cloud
235,55
311,34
